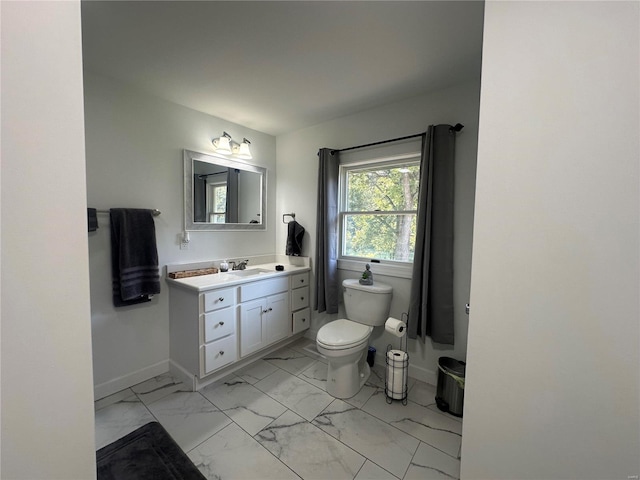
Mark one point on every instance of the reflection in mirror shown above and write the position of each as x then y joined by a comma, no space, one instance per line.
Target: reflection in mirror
223,193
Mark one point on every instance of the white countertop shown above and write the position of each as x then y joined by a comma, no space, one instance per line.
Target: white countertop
228,279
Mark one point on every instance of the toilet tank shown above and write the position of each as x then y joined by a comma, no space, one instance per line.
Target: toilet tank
367,304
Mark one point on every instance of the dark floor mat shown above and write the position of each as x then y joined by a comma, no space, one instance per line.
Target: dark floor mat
146,453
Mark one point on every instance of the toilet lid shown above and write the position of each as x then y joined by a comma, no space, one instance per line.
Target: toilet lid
375,288
343,333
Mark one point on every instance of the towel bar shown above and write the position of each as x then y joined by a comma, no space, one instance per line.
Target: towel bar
155,212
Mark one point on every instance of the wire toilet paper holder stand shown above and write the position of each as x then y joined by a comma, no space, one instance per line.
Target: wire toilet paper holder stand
394,368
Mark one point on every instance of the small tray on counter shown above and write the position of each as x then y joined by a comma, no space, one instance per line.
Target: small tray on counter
193,273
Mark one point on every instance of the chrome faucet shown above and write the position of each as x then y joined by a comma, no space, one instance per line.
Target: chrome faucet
240,265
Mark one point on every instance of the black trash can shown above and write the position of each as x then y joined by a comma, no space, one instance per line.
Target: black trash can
450,390
371,356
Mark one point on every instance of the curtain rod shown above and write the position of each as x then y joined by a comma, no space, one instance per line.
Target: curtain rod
202,175
378,143
457,127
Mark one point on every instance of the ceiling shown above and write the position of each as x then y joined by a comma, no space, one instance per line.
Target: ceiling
277,67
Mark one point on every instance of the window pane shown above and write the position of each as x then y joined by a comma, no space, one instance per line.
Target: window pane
220,199
393,188
386,237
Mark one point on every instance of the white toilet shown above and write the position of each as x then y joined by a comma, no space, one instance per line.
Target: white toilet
344,342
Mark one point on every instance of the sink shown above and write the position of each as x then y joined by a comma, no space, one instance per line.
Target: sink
249,272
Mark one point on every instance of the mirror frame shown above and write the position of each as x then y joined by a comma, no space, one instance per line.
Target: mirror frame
189,225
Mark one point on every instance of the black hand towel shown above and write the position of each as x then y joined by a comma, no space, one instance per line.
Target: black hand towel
294,239
134,256
92,219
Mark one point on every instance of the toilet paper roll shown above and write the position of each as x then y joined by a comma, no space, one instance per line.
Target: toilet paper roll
395,327
397,370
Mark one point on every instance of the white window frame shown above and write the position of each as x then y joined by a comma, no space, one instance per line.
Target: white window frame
211,192
391,268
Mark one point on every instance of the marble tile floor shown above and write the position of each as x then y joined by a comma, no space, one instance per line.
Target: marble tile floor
274,419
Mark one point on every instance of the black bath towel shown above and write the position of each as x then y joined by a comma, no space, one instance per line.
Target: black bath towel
134,256
92,219
294,239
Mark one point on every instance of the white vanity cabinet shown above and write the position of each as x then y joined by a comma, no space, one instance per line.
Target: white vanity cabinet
216,320
264,314
301,313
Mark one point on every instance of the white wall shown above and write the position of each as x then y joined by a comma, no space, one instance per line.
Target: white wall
552,375
47,395
297,190
134,159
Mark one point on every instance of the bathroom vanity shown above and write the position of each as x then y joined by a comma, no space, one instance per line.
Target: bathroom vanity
219,320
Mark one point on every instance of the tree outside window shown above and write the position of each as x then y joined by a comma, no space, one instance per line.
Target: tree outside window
218,202
378,211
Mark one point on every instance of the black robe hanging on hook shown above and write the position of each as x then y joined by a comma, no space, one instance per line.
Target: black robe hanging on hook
294,239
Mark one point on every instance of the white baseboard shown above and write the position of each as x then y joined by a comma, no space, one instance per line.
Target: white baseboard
422,374
112,386
178,372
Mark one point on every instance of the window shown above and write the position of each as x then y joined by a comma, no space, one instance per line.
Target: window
378,209
217,202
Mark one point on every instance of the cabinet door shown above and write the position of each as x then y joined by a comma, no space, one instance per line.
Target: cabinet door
278,318
252,333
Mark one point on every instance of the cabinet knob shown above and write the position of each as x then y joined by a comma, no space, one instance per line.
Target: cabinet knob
270,309
301,298
221,299
304,319
265,311
221,323
221,352
302,280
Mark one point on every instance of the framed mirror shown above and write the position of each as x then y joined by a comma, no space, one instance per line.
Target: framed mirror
223,193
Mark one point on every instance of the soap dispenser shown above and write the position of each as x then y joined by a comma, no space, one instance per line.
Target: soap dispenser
224,266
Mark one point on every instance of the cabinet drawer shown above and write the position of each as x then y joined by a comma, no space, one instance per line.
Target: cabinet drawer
219,323
301,320
263,288
300,280
220,353
300,298
217,299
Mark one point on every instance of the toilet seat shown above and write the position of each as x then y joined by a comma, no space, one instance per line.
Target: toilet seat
343,334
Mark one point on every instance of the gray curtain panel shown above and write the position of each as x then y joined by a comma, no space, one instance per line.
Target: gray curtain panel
431,298
199,199
327,291
231,215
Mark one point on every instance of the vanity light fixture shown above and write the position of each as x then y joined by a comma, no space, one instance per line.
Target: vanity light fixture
223,144
227,146
241,150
